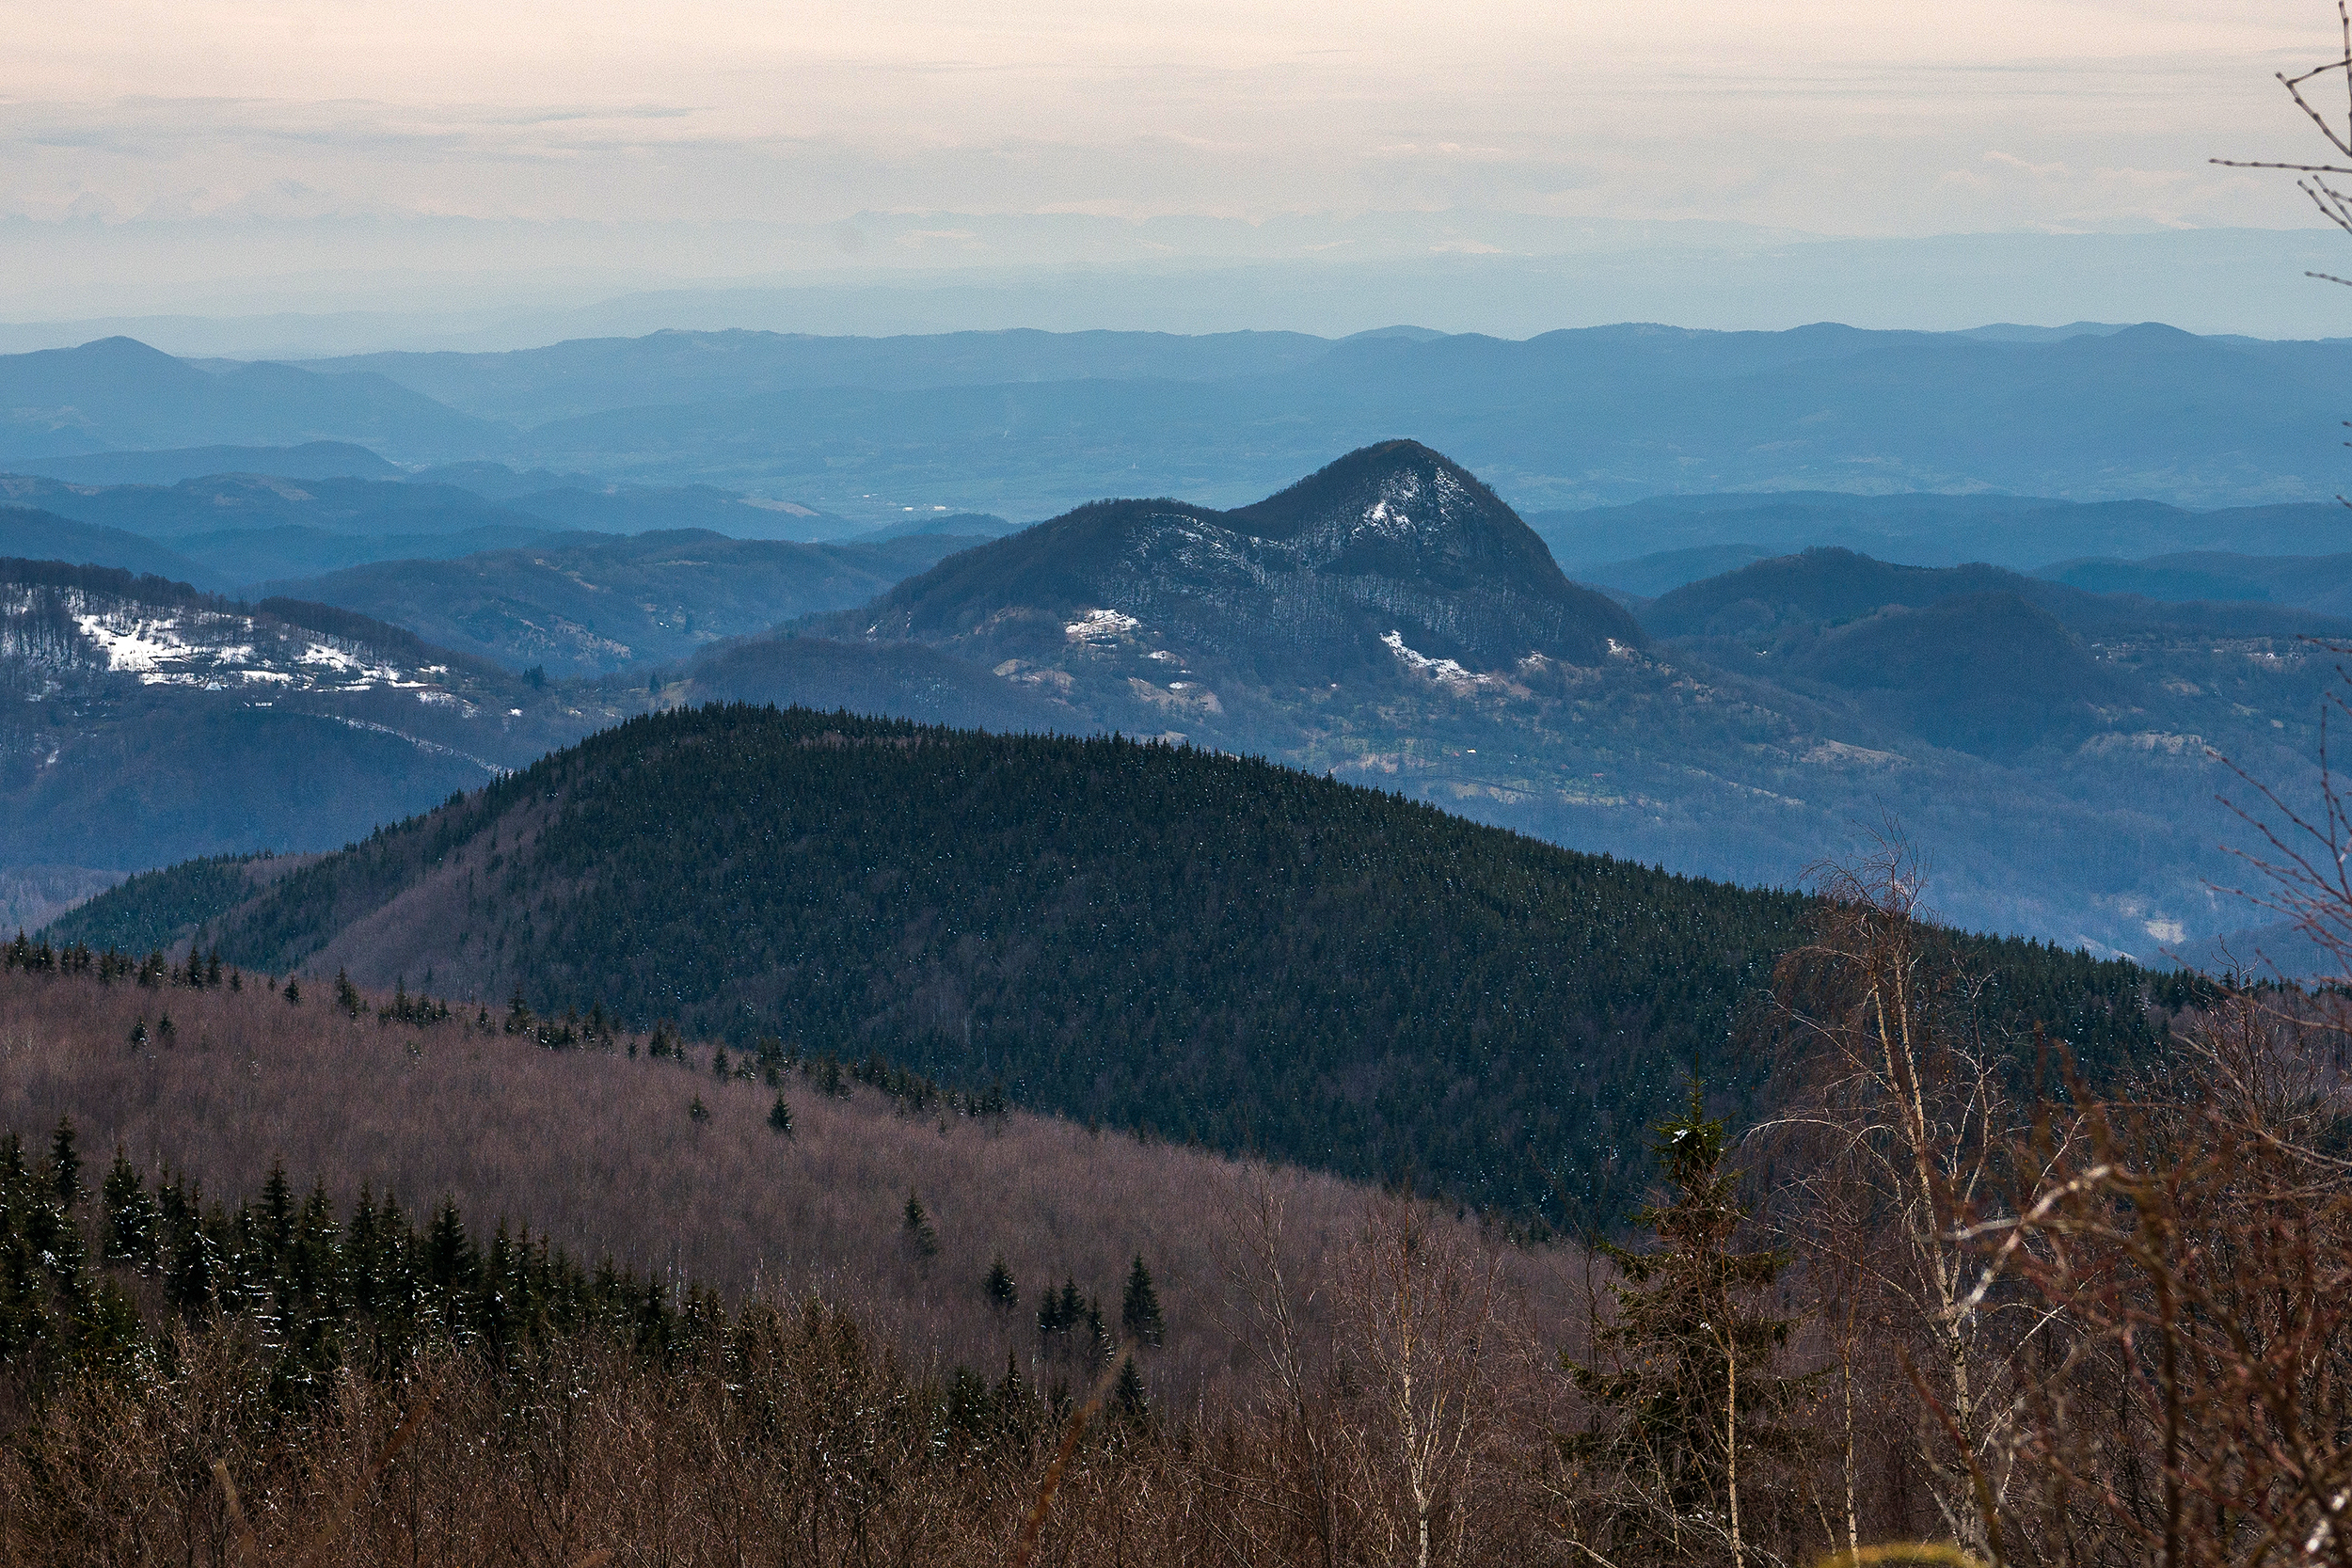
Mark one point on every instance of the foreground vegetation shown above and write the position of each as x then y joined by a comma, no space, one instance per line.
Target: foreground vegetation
1919,1302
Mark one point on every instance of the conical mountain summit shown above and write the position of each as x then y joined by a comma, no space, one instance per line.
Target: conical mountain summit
1393,563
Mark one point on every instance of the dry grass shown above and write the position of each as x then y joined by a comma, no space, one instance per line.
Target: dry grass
599,1153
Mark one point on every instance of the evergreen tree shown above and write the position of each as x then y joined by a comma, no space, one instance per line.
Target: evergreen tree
1098,1337
698,1113
131,1216
65,1165
1128,1406
347,995
293,991
1139,1312
917,1225
1687,1402
1001,1291
719,1068
780,1116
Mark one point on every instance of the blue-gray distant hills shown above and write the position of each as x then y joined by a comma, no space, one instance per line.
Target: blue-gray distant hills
1568,418
2019,595
1027,424
118,393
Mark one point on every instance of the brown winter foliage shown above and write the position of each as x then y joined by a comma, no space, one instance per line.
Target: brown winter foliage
2089,1326
601,1152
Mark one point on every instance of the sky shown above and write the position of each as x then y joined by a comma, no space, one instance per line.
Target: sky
152,152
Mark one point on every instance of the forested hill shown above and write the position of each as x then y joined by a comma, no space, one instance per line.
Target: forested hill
1206,946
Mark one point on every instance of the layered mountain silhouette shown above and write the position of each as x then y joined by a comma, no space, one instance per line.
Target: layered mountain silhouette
1386,621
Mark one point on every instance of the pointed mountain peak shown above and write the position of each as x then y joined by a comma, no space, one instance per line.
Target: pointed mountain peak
1391,487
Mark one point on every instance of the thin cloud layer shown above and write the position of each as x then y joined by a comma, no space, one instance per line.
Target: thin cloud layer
1833,117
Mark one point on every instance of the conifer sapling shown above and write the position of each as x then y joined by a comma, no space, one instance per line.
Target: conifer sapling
1129,1405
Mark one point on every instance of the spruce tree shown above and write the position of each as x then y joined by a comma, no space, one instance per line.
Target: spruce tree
131,1214
698,1113
780,1116
917,1225
293,991
1001,1291
1688,1404
1129,1406
65,1165
1139,1312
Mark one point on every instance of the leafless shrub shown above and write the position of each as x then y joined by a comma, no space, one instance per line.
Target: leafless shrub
2191,1251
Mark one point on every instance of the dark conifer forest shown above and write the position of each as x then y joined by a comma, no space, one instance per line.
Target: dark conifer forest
1199,947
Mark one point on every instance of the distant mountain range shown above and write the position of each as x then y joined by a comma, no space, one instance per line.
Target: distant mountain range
1651,545
2321,582
1026,424
118,393
1390,620
1738,724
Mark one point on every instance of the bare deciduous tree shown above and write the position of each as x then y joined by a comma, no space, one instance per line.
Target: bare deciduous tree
1899,1120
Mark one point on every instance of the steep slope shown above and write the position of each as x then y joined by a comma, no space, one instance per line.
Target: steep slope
1208,946
586,603
142,722
1388,564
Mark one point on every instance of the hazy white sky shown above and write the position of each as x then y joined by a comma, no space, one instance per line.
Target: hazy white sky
1888,118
